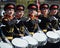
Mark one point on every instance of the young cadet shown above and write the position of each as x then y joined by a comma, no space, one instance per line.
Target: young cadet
20,18
32,21
8,20
44,17
54,17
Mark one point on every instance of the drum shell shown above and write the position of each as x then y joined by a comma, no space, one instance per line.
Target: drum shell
32,40
53,40
32,46
58,31
41,43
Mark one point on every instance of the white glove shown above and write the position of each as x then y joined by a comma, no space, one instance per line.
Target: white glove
39,20
2,25
18,21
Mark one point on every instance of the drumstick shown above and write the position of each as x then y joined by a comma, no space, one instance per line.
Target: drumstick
17,29
26,30
39,30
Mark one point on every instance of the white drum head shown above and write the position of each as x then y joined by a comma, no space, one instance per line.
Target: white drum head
18,42
52,34
31,40
5,45
40,36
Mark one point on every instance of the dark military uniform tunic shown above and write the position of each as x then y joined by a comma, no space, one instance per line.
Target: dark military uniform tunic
31,24
19,27
44,23
9,28
58,17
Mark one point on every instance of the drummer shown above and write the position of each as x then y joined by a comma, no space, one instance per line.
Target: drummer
8,20
44,17
54,19
20,18
53,16
32,21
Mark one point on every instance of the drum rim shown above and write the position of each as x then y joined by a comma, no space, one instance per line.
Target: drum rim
35,43
51,36
9,45
20,42
45,37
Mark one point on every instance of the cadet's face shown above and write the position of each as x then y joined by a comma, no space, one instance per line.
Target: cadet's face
33,12
19,13
54,12
10,12
44,11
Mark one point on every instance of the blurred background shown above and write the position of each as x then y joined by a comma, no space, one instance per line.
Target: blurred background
26,3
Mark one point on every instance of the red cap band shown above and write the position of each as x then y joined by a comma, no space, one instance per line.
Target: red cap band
10,6
54,7
20,8
33,7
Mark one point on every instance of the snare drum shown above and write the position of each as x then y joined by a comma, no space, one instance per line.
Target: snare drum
58,31
41,38
5,45
19,43
32,42
53,37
